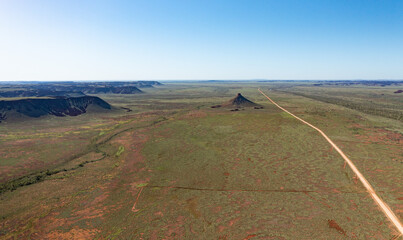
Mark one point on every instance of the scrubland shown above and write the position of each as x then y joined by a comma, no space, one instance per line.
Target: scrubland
174,168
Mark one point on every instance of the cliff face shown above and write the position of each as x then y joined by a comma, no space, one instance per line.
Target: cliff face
54,106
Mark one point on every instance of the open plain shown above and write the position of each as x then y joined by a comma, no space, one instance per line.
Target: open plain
165,164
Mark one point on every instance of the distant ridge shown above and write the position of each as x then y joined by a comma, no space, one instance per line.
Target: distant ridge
60,107
40,93
112,89
72,89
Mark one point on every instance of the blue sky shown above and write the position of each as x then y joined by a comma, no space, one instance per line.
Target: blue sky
206,39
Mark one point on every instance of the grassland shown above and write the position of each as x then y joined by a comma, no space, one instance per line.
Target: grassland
174,168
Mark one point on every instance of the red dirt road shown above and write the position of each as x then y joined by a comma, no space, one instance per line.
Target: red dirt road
384,207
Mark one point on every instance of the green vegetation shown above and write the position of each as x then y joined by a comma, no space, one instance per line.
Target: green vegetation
120,151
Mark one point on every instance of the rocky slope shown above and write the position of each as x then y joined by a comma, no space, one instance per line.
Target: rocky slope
239,102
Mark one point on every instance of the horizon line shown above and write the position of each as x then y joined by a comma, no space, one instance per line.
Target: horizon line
170,80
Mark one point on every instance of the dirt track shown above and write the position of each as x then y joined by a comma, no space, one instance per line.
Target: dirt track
384,207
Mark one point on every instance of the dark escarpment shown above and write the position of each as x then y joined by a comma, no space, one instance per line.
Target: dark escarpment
60,107
40,93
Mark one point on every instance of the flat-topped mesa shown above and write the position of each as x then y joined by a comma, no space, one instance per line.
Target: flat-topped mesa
59,106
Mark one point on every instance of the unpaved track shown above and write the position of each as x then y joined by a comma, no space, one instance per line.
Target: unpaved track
384,207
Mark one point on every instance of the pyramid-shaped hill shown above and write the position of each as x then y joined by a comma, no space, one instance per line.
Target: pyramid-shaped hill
239,102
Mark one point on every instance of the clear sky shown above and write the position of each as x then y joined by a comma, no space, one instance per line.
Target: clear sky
205,39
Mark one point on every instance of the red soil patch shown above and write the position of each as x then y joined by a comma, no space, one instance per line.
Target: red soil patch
224,237
250,236
217,209
72,234
221,228
333,224
194,114
158,214
176,230
379,135
88,210
399,208
233,221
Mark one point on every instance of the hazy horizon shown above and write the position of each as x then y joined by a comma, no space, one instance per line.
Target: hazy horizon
201,80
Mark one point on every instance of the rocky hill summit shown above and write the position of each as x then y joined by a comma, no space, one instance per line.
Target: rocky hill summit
239,102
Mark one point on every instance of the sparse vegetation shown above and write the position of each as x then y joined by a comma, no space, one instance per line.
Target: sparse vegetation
173,167
369,107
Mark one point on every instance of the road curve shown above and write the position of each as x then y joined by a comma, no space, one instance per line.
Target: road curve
384,207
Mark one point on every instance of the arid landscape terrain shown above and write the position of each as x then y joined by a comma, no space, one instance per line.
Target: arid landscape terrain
199,160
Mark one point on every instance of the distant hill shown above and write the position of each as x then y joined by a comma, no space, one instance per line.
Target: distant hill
39,93
71,89
112,90
239,102
138,84
54,106
145,84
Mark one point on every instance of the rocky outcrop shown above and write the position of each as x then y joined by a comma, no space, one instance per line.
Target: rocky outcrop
238,102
